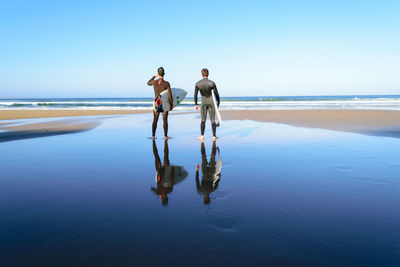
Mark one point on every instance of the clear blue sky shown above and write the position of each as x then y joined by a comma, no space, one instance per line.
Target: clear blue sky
111,48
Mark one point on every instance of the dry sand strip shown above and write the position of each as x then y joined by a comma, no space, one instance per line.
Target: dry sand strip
371,122
28,114
34,130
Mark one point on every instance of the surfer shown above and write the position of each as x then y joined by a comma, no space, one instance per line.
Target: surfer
205,86
165,174
160,85
211,174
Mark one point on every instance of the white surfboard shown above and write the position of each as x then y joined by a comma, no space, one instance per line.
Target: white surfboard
217,114
161,103
218,168
217,174
179,172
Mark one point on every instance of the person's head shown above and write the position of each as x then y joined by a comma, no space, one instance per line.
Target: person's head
207,200
161,71
204,72
164,199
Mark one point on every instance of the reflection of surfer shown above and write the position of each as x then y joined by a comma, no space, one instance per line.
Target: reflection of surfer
160,85
165,175
211,172
206,86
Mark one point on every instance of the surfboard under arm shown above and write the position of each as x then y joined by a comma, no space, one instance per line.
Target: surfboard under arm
217,114
177,97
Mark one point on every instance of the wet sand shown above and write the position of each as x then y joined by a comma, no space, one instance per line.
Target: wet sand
26,114
26,130
33,130
371,122
284,196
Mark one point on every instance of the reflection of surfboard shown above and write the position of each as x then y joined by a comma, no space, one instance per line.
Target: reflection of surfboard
161,103
217,174
179,173
217,115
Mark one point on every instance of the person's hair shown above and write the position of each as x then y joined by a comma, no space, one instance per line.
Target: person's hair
204,72
161,71
207,200
164,202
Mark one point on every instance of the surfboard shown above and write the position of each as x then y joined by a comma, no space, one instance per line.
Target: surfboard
161,102
179,172
217,114
218,168
217,174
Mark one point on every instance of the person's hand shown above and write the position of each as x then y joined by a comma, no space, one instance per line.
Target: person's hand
171,107
197,107
197,167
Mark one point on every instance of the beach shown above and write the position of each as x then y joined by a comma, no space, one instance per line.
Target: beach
24,114
372,122
299,166
287,188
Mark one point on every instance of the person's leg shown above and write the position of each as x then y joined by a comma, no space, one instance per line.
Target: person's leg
166,153
155,120
214,130
156,156
165,119
203,115
213,125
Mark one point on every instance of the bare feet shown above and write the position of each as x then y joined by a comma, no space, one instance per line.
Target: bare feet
201,138
153,137
214,138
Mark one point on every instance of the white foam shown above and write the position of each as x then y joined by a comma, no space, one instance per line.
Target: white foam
188,105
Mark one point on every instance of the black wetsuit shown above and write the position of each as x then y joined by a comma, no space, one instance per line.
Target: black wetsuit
205,86
210,179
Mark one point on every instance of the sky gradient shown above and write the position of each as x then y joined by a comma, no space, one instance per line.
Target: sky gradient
252,48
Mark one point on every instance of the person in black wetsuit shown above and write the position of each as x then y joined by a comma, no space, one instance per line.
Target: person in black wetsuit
205,86
210,174
165,175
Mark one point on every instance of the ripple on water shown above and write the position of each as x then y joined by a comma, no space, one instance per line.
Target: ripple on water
222,223
394,164
371,179
222,195
344,168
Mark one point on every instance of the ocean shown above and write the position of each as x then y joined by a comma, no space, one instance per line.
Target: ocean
382,102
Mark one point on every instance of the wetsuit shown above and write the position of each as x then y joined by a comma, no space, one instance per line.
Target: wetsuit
210,179
159,86
205,86
165,174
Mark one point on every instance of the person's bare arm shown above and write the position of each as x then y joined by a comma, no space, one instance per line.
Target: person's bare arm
151,81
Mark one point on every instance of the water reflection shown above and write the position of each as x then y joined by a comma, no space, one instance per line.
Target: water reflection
211,173
167,175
